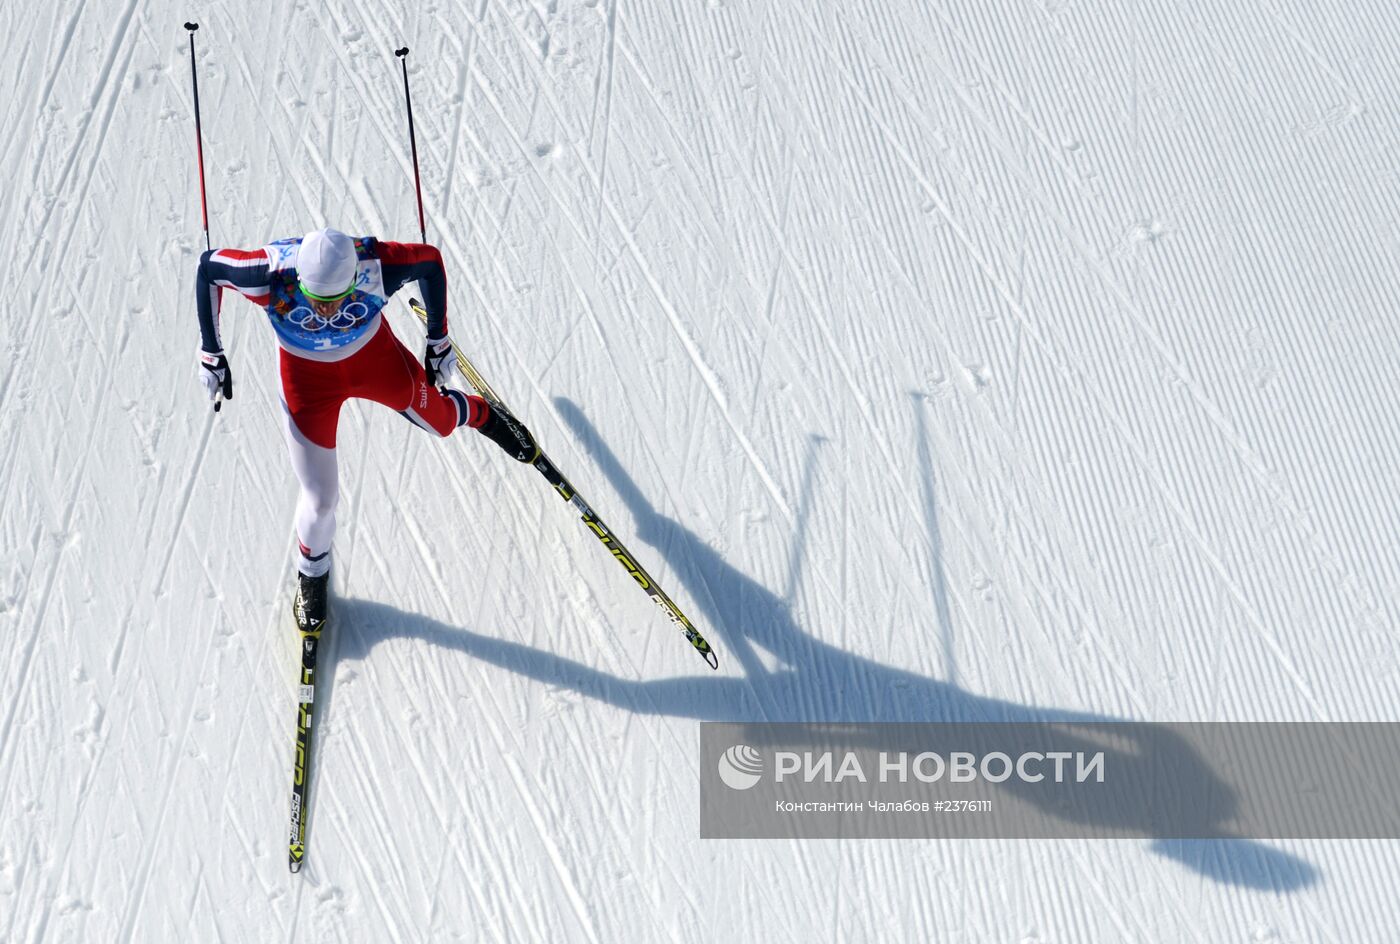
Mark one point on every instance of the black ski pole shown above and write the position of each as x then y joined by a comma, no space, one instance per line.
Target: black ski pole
199,137
413,143
199,149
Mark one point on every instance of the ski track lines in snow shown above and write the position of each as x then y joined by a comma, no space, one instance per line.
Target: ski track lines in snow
1008,294
1193,388
1045,346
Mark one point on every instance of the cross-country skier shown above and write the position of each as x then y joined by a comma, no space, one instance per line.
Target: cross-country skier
323,293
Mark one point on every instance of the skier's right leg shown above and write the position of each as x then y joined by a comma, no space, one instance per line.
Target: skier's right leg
312,394
318,475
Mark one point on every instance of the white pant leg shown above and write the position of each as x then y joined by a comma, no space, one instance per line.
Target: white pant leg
317,472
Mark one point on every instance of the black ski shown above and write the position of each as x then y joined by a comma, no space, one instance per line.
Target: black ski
310,631
590,518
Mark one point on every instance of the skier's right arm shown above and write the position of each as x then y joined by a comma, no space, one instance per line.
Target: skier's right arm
242,270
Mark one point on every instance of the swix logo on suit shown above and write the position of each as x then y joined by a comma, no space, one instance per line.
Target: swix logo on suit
295,320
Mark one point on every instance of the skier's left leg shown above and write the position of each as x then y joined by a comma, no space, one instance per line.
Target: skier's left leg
387,373
396,378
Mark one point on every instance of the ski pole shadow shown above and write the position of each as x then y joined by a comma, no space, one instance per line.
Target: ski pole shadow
806,679
938,582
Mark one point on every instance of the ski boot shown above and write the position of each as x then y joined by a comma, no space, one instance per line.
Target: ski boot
311,602
509,433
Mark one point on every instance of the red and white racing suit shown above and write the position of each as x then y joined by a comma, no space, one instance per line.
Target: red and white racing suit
324,362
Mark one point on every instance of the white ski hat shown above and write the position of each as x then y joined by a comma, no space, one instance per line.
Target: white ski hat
326,263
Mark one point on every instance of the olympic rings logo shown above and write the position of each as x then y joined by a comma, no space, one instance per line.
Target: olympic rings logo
350,315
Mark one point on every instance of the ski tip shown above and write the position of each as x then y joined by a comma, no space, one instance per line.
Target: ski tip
712,659
294,866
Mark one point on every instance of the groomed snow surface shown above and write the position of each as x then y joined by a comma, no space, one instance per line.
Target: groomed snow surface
944,360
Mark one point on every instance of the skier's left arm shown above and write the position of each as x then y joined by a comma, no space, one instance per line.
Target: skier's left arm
406,262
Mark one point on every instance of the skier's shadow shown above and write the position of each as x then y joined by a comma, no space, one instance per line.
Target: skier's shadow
810,679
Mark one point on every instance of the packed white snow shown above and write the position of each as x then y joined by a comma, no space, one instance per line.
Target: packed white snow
943,360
